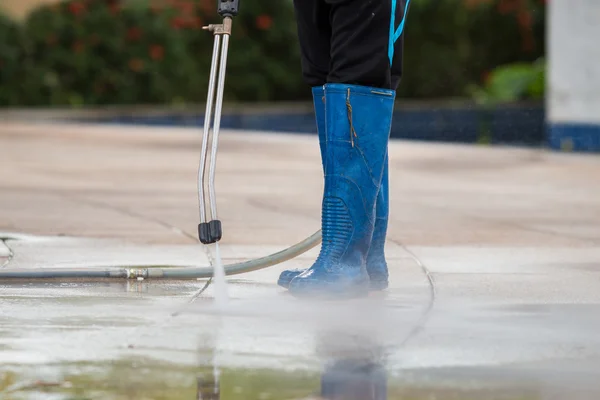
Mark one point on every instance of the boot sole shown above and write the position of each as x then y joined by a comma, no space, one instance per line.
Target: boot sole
376,286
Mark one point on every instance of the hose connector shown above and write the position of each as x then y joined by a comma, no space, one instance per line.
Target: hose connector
137,273
228,8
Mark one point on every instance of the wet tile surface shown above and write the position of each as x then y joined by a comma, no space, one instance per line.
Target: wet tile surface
493,254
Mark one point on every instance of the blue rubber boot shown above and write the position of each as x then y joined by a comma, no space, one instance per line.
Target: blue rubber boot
354,380
319,102
376,264
358,122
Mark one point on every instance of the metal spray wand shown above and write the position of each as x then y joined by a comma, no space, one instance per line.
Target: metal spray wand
210,231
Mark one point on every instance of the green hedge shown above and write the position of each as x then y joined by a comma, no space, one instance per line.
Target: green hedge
453,43
100,52
11,56
107,52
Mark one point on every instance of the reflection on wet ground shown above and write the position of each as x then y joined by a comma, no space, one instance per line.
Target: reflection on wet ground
62,340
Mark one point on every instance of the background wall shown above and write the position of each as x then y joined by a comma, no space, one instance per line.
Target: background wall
574,74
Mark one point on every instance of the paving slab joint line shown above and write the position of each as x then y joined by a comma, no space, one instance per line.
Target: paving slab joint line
164,224
133,214
517,225
11,254
432,295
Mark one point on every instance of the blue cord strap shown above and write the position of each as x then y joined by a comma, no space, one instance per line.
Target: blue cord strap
396,33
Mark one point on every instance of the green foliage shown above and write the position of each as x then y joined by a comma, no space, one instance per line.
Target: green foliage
264,61
451,44
100,52
107,52
10,56
513,82
96,53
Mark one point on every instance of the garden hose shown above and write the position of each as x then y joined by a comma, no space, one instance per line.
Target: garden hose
165,272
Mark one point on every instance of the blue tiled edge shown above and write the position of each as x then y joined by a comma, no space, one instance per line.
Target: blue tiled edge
520,125
574,137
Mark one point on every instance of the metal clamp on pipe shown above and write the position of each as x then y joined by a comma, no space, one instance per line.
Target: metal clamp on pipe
210,231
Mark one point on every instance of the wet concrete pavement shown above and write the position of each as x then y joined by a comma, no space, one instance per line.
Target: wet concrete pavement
494,256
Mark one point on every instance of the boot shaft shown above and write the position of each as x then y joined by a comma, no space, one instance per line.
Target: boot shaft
358,124
318,93
358,121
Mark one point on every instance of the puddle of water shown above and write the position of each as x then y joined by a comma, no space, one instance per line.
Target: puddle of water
344,379
60,342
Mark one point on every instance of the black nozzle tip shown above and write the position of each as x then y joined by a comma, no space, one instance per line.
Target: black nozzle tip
204,233
210,232
216,232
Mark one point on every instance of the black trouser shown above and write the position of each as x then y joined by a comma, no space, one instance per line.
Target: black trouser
347,41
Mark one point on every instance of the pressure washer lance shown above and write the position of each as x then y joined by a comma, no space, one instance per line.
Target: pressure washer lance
210,231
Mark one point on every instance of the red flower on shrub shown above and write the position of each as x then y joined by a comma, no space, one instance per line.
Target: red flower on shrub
78,46
207,6
134,33
508,6
525,19
76,8
485,77
156,8
157,52
114,8
264,22
475,3
51,40
187,7
178,23
136,65
196,23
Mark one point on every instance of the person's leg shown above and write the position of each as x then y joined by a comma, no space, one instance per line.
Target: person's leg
314,33
349,55
376,263
360,43
358,110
